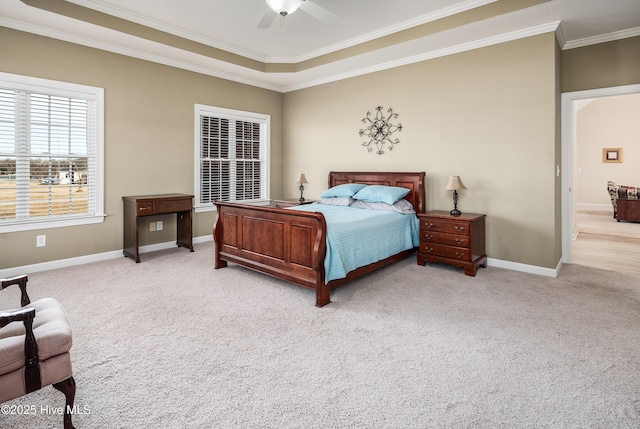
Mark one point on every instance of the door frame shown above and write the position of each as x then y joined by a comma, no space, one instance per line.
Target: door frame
569,148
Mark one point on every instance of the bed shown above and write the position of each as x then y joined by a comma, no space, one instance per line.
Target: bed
291,244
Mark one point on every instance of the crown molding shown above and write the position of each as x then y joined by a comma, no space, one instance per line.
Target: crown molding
257,82
421,20
603,38
560,36
134,53
476,44
145,21
142,20
157,25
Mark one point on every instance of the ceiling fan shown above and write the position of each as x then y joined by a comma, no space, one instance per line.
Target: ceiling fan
287,7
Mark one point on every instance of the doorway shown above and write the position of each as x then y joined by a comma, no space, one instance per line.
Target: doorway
570,105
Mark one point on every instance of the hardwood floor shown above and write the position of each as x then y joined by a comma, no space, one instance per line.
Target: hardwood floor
607,252
604,243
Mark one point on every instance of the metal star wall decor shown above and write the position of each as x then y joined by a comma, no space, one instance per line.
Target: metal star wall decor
379,130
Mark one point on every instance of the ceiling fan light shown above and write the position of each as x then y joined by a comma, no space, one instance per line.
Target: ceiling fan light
284,7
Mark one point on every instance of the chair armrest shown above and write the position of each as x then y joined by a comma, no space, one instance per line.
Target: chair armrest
21,281
21,315
32,367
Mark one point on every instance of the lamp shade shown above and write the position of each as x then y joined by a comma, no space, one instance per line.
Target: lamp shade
284,7
455,184
301,179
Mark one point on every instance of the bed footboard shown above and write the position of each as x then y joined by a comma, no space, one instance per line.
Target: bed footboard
287,244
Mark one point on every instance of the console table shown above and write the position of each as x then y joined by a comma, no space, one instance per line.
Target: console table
150,205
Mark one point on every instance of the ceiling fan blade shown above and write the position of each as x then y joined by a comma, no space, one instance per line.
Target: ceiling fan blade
267,19
318,12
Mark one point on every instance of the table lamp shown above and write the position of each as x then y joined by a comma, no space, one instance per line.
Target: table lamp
454,185
301,180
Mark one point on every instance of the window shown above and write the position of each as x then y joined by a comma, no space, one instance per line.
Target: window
50,154
231,156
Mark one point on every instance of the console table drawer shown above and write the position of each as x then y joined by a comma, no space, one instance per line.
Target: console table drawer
171,206
145,209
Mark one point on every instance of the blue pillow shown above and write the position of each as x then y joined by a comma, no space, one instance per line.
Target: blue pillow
381,194
342,191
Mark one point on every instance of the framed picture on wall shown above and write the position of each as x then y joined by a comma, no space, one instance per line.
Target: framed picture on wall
612,154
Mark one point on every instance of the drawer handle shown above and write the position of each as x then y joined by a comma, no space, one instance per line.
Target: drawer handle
144,208
428,237
459,242
458,228
429,249
429,225
460,255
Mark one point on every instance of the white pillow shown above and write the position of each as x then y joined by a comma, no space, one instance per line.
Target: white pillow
401,206
337,201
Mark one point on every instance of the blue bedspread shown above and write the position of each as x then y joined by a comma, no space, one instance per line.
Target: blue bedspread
358,237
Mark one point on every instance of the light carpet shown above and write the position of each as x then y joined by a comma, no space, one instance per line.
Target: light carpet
173,343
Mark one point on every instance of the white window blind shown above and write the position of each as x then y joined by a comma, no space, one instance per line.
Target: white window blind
232,156
48,154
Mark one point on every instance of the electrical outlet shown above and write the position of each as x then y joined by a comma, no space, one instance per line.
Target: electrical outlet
152,226
41,241
159,225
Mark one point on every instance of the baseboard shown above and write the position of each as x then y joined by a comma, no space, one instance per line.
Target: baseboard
97,257
594,206
62,263
531,269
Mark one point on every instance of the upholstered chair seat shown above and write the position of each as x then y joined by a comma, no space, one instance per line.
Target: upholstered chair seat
35,341
53,335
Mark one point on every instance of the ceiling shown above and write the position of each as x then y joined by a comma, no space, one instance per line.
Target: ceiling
220,37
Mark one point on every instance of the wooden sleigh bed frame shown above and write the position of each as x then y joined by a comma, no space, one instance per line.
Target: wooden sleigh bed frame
291,244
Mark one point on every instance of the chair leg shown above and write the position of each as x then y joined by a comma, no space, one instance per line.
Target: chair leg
68,387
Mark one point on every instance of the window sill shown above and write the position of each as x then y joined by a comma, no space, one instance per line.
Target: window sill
31,225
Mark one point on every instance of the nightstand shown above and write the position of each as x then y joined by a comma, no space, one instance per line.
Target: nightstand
290,202
454,240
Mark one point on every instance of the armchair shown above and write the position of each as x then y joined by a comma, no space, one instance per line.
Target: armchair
625,202
35,353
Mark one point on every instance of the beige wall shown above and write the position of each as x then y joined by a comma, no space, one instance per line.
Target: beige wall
603,65
607,122
149,136
489,115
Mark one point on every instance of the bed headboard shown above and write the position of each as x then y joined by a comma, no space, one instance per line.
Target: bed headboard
412,181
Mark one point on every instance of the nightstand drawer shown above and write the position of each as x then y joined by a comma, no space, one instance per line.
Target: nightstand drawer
458,253
450,227
442,238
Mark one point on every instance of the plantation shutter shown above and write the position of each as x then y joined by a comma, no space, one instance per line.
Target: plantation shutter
232,159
